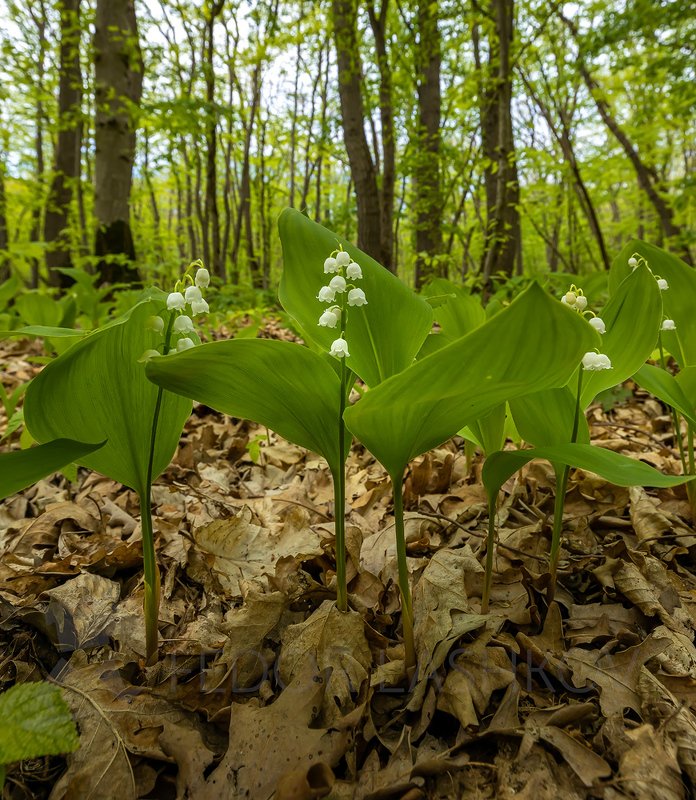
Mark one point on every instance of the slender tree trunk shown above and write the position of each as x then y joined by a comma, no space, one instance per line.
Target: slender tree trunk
362,168
427,165
66,169
378,23
40,21
212,216
503,230
118,87
563,138
4,239
648,178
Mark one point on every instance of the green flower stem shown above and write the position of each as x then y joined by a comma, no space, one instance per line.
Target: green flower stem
490,544
690,468
404,586
561,488
340,484
151,573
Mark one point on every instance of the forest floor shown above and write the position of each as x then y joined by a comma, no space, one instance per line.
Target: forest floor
262,686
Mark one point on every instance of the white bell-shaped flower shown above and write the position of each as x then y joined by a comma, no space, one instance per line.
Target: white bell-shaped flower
338,284
330,265
598,324
329,319
342,258
326,294
569,298
202,279
668,325
581,302
356,297
339,348
183,324
147,355
593,362
193,294
632,262
175,301
662,284
155,324
184,344
199,307
353,271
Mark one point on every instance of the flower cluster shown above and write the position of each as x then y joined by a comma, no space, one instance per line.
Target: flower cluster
637,259
344,269
576,299
186,292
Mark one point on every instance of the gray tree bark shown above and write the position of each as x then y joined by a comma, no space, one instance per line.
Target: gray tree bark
118,88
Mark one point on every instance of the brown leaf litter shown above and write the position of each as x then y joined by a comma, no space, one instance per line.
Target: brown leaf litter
263,689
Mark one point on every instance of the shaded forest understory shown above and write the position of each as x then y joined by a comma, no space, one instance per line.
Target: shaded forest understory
262,685
455,138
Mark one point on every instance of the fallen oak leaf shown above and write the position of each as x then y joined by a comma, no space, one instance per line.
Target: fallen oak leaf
253,764
615,674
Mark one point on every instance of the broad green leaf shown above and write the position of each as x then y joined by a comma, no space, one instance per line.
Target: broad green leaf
22,468
686,378
488,432
98,390
546,418
45,331
533,344
459,313
678,300
614,467
35,722
36,308
666,388
281,385
8,289
632,319
385,335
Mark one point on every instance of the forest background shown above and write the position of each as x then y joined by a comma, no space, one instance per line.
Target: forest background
456,138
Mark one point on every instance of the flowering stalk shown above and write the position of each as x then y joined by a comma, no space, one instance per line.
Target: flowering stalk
342,267
404,586
187,291
690,468
151,573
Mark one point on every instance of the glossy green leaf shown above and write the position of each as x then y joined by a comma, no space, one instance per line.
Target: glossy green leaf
534,343
36,721
281,385
22,468
686,378
678,300
98,390
488,432
45,331
546,418
666,388
632,318
385,335
458,313
614,467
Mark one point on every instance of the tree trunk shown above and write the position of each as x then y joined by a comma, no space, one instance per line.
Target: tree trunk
648,179
378,23
427,164
212,216
66,169
503,231
362,167
118,87
563,138
4,239
40,21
